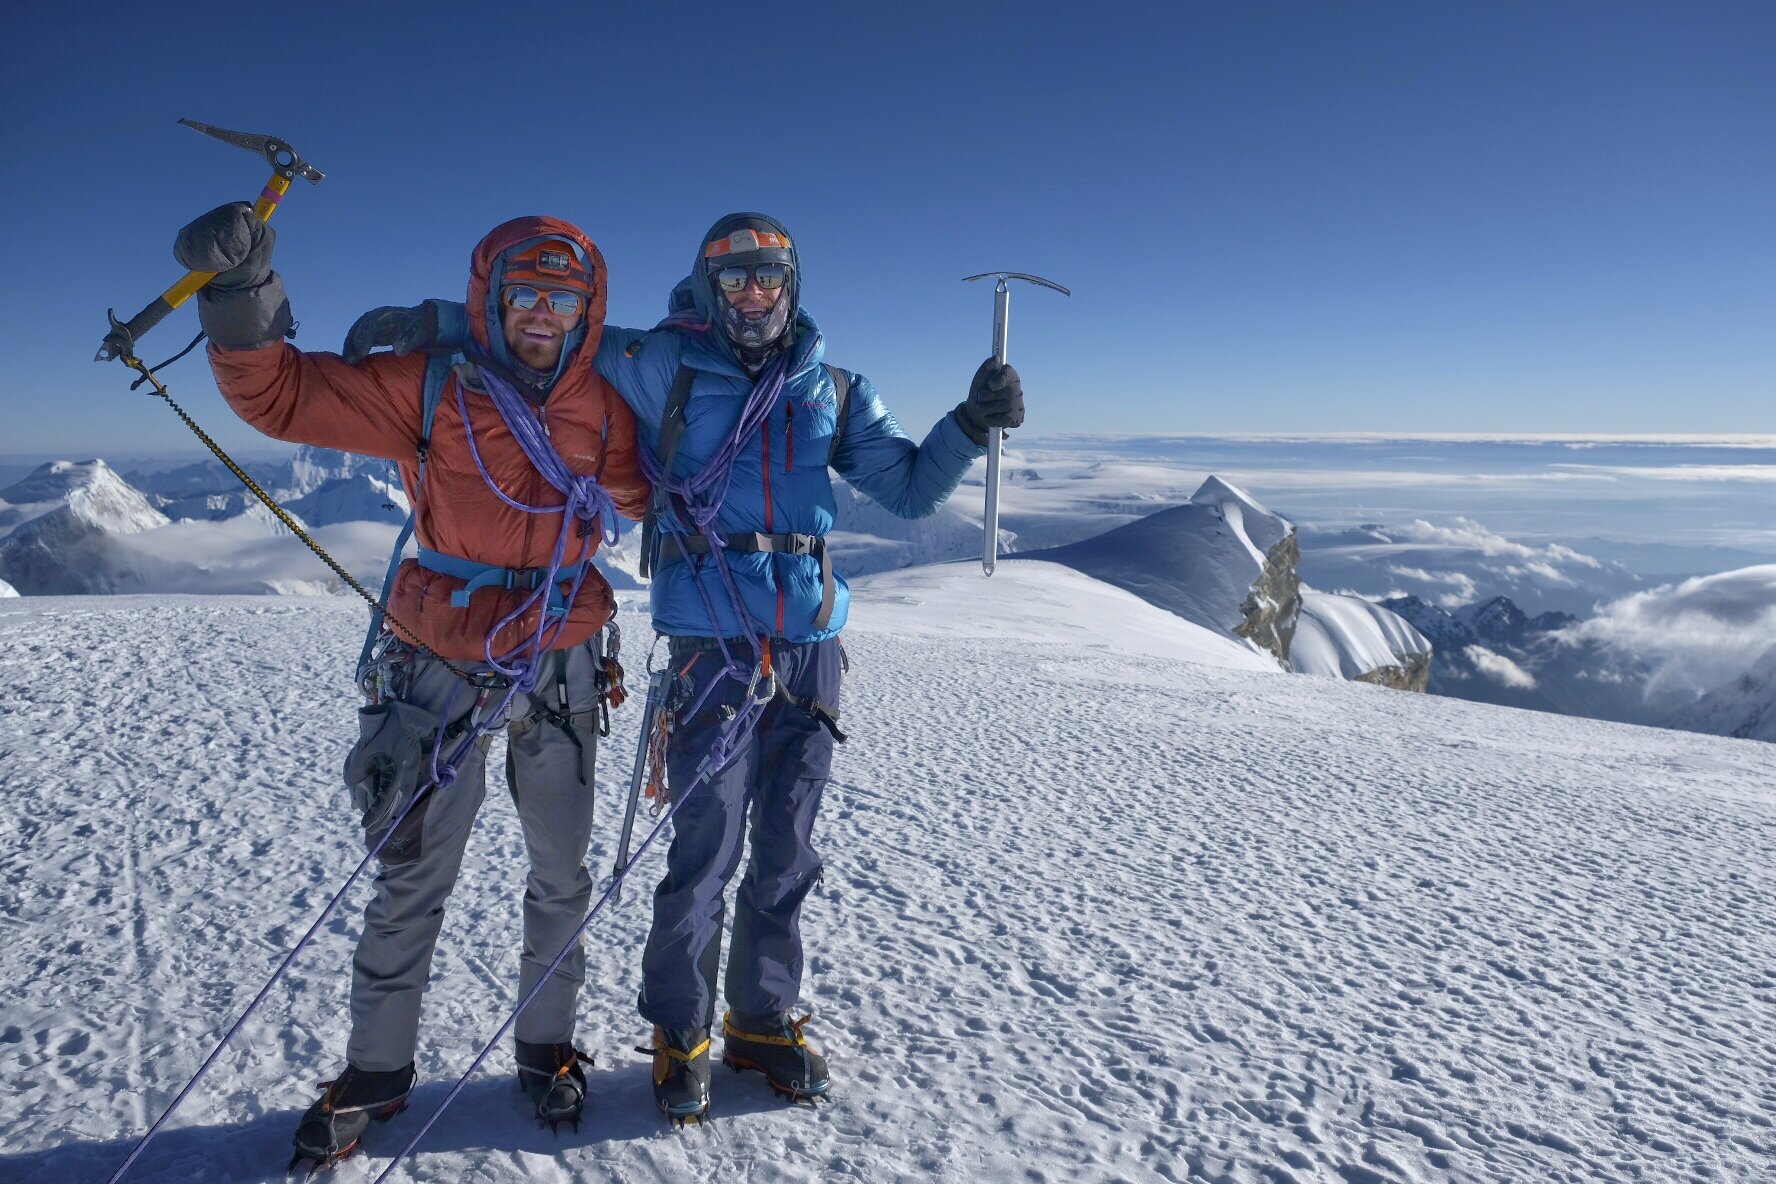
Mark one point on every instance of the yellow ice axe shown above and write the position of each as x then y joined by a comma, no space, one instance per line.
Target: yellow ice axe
286,166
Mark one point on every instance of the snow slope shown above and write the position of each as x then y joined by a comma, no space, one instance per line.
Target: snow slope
1345,637
1092,911
1212,561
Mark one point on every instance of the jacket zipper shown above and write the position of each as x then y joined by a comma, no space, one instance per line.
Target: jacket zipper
765,443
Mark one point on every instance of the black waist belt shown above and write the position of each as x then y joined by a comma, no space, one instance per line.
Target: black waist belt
676,546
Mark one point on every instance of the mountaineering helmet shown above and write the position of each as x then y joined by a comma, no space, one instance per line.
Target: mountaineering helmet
751,241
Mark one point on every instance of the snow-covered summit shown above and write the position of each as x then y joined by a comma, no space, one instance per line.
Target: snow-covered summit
1244,514
1091,911
6,590
1221,560
93,493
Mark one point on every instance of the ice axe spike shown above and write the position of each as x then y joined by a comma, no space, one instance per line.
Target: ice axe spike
996,436
286,165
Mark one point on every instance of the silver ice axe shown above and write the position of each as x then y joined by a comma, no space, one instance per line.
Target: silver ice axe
996,436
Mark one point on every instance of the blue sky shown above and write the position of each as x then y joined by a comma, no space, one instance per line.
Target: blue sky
1314,217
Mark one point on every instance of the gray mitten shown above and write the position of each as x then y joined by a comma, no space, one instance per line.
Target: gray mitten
244,307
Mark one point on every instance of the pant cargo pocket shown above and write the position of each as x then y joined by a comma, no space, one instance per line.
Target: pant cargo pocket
385,769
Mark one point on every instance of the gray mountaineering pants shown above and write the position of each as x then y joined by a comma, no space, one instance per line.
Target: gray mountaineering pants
551,782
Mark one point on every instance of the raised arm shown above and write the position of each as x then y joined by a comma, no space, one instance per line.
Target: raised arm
879,458
287,394
372,409
912,480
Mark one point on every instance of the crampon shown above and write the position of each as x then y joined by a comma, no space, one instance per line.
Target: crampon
332,1127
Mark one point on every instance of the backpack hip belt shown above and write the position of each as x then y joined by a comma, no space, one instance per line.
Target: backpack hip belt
487,575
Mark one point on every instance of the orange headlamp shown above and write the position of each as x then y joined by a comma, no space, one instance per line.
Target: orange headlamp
746,240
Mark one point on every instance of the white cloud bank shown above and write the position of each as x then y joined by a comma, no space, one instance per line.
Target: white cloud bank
1469,534
1500,668
1696,635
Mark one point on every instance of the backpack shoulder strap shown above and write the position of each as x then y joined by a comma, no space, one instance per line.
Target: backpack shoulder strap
672,423
438,367
672,426
842,392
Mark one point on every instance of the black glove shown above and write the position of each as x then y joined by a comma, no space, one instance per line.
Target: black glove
995,400
231,241
404,329
244,307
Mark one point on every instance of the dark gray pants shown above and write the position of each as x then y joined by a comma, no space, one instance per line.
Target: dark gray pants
772,787
402,921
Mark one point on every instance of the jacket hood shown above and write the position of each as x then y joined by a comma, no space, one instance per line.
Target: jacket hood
488,266
695,291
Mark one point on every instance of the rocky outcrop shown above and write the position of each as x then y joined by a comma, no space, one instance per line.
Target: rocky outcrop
1272,609
1414,674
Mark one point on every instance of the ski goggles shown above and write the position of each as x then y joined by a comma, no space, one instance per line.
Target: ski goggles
770,276
523,297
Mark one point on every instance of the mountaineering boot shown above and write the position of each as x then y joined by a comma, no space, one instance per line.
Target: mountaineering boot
330,1130
552,1078
775,1046
681,1073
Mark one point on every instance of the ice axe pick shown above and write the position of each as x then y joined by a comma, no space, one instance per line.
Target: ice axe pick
286,165
996,436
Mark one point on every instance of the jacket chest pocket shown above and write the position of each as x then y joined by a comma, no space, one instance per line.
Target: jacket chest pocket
581,445
804,431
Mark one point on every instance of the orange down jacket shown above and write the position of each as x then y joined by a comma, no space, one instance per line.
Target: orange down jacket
374,409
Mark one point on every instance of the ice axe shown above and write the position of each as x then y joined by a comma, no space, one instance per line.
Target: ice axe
996,436
286,166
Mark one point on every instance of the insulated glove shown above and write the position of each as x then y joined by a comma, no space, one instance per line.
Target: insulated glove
995,400
230,241
404,329
244,307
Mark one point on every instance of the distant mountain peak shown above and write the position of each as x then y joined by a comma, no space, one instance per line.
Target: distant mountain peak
89,490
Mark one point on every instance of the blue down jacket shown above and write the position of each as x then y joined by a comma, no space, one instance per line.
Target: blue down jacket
781,483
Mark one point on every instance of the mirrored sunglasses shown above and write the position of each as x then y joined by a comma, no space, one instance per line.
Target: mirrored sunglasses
770,276
523,297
